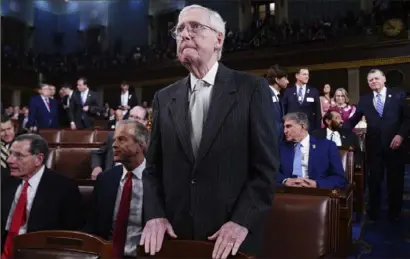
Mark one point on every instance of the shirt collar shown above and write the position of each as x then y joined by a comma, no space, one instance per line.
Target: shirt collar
137,171
382,92
209,77
85,93
329,131
301,86
276,92
305,142
124,93
35,179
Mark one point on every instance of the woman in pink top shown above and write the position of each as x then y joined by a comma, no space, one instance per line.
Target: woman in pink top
342,104
326,100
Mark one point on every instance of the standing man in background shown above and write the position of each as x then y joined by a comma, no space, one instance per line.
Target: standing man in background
278,82
213,155
84,107
388,124
43,110
304,98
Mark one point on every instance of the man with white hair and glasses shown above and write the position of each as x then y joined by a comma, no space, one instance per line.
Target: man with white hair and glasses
212,159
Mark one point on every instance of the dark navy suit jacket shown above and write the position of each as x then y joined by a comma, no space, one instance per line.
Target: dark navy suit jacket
324,166
278,113
395,119
40,116
310,105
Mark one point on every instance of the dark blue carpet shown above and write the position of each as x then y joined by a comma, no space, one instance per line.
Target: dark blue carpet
384,239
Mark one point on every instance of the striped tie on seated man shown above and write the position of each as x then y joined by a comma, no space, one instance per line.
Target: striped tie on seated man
7,136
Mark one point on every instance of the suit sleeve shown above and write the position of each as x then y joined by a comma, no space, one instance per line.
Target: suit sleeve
72,214
357,116
285,101
152,181
91,225
72,108
405,116
336,178
98,156
256,197
31,122
96,108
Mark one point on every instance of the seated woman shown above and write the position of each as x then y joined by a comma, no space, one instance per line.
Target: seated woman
342,104
306,161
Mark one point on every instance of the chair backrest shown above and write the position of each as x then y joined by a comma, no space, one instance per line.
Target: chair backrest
298,226
185,249
73,162
60,245
77,136
52,136
348,161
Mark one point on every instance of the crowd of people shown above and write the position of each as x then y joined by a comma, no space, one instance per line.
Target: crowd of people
220,143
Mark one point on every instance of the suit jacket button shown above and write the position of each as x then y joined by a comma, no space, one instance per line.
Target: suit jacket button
193,181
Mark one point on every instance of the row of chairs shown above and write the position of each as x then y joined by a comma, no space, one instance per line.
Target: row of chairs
328,212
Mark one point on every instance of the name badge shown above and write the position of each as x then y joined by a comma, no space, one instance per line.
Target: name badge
310,100
274,99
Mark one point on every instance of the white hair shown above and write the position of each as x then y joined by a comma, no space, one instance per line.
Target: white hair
215,21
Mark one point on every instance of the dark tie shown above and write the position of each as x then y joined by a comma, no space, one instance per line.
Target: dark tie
280,104
331,136
121,222
48,103
17,221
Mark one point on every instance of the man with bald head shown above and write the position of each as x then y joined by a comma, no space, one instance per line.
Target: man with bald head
388,124
103,158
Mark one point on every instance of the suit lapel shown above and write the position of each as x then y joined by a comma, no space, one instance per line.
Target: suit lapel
312,154
40,199
387,102
111,191
179,113
8,194
222,98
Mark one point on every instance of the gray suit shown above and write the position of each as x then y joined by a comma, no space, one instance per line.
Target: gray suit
232,177
104,157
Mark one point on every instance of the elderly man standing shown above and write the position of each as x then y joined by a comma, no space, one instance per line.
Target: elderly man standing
212,159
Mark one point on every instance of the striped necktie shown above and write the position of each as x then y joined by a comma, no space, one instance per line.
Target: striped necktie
379,105
4,155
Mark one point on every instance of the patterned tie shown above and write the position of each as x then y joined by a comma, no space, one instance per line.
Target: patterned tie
300,95
4,155
121,222
297,161
17,221
379,105
198,109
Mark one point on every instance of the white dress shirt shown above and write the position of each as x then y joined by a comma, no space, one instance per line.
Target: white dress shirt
124,101
46,101
305,147
383,94
209,78
276,92
303,90
33,183
135,225
84,96
336,137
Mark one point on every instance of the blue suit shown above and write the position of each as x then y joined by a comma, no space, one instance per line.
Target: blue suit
39,116
278,112
324,165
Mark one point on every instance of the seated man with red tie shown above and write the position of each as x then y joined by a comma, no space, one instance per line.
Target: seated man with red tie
34,198
116,211
307,161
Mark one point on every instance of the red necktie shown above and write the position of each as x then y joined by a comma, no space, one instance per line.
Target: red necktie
48,103
17,221
121,222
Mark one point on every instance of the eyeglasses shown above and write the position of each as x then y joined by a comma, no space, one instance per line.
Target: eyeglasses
193,29
19,156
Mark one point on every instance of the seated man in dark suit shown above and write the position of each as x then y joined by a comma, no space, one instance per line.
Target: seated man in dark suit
34,198
116,211
103,158
307,161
